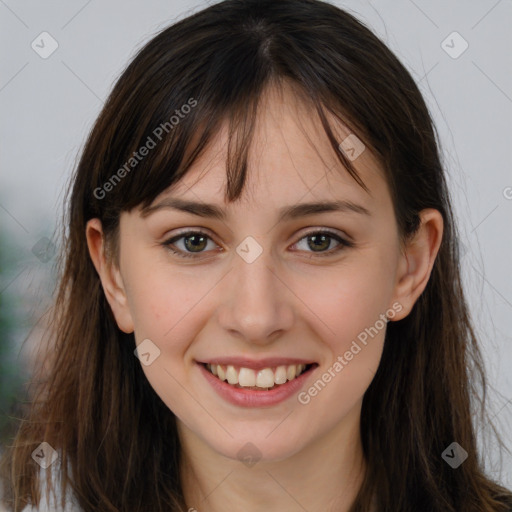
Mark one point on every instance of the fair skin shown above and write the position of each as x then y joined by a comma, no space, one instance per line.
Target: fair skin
289,302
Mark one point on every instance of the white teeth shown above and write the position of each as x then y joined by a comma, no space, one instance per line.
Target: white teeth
280,376
247,377
264,378
232,375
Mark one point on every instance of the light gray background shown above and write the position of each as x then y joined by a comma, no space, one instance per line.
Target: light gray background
48,106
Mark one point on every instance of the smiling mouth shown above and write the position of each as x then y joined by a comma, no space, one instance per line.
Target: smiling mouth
260,380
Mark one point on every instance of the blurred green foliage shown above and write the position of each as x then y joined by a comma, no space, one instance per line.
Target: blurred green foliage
11,370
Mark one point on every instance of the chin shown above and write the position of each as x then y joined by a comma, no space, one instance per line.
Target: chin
252,445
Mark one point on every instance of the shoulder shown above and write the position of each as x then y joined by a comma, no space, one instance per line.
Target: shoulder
50,501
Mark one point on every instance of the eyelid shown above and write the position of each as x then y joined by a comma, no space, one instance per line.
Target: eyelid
301,233
344,241
311,230
168,242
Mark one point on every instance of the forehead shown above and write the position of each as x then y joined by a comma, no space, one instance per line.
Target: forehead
290,158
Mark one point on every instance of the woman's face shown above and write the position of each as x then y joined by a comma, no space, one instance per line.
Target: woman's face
265,289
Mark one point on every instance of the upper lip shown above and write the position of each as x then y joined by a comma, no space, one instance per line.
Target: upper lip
268,362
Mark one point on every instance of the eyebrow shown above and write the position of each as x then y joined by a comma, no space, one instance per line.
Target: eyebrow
285,213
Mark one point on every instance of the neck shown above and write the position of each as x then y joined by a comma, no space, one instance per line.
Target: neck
324,475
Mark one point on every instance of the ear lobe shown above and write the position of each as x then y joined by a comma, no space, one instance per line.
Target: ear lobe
110,276
417,260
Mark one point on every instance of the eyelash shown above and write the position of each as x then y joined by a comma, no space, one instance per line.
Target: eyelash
342,243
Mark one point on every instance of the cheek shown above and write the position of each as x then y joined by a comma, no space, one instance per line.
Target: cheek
352,318
349,308
167,309
164,301
347,301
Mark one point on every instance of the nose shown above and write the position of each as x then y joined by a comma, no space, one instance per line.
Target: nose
255,304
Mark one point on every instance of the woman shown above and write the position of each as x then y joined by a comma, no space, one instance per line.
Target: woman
261,300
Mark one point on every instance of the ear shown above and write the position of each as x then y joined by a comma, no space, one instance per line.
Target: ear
417,260
110,276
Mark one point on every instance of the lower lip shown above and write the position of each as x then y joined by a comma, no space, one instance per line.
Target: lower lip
254,398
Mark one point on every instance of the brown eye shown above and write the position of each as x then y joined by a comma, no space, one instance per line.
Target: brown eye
194,242
320,242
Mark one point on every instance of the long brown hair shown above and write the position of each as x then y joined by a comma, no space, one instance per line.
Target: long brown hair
95,405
